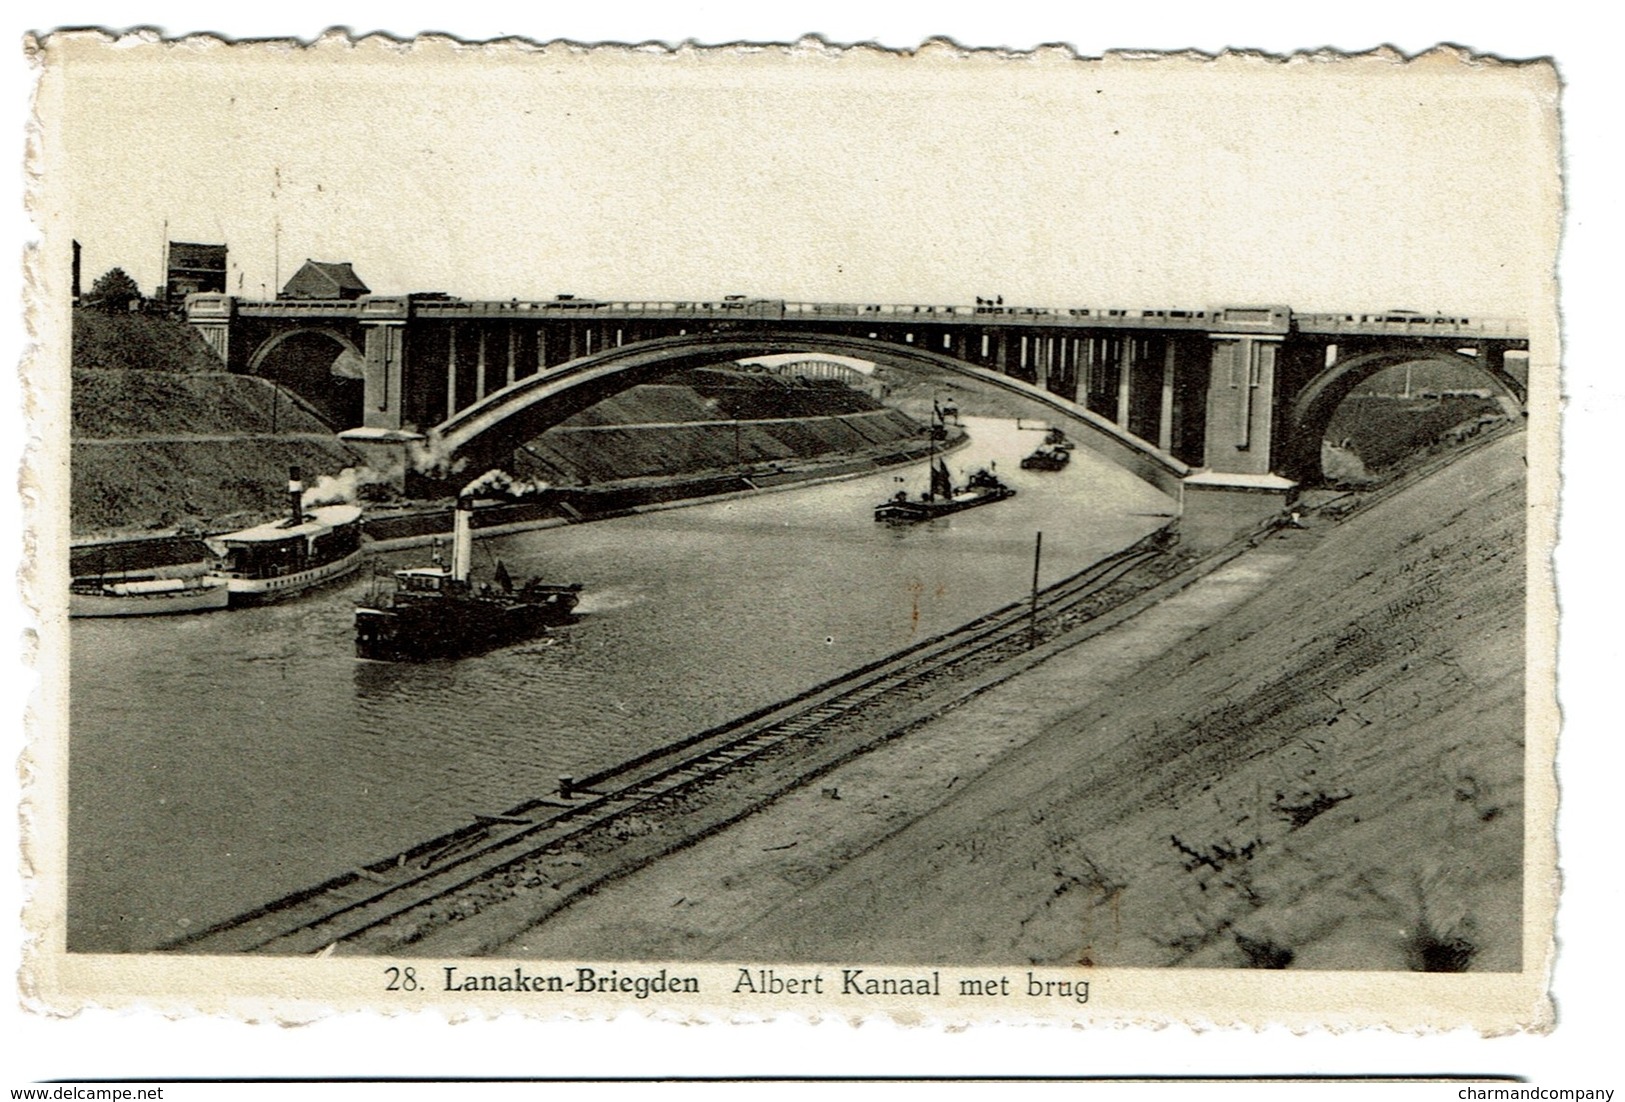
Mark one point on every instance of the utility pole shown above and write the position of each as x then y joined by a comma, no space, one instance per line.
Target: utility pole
1032,622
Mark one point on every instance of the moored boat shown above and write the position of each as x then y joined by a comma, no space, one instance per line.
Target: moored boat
281,558
439,612
149,596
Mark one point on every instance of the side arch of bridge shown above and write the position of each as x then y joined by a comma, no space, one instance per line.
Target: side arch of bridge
518,412
1312,409
257,358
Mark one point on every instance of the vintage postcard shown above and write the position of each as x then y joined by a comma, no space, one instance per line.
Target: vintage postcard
723,532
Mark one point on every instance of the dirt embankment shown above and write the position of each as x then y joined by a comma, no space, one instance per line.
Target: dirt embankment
163,437
137,404
709,420
1327,776
154,449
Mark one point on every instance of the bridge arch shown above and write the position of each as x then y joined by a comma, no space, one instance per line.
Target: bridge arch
522,410
338,399
1312,409
256,359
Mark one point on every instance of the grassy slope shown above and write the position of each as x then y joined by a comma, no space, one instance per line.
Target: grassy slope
131,403
1330,777
139,341
126,483
210,484
138,376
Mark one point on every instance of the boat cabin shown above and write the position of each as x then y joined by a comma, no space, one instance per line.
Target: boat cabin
429,580
325,534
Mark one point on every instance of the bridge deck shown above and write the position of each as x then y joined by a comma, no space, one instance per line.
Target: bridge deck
1276,319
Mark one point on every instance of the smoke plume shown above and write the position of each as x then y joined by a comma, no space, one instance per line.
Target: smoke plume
343,488
497,481
432,456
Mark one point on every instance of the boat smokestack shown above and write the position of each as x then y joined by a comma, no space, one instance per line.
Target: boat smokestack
296,497
462,539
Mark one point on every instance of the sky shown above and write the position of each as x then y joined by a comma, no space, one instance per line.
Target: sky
491,173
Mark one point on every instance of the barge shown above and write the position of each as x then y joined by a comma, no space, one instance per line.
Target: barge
144,596
942,499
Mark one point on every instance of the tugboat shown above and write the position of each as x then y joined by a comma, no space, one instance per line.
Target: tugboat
281,558
437,612
982,488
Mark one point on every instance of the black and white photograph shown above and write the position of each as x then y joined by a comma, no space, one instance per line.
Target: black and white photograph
800,528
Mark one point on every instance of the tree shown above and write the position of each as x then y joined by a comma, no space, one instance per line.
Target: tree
113,292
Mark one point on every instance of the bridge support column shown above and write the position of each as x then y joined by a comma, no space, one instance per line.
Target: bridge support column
388,452
384,386
1241,403
479,367
1493,356
1217,508
218,338
1165,412
1125,377
1237,493
211,316
513,353
451,369
1086,371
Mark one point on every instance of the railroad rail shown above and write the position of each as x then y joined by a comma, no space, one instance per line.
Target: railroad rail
345,906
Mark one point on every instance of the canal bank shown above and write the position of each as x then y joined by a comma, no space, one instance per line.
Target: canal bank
554,508
402,529
1311,757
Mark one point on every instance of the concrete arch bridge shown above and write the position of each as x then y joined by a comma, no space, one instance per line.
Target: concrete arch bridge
1224,406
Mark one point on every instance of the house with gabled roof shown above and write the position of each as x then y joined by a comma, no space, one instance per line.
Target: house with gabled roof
322,279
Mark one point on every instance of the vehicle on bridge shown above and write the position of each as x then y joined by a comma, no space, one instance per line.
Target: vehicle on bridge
438,612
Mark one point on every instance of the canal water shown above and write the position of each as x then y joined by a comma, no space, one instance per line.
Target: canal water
220,760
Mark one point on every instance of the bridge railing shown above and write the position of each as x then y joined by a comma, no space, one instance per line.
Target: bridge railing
284,307
1393,322
779,308
1416,325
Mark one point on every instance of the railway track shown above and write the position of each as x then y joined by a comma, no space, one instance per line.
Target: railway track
357,901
